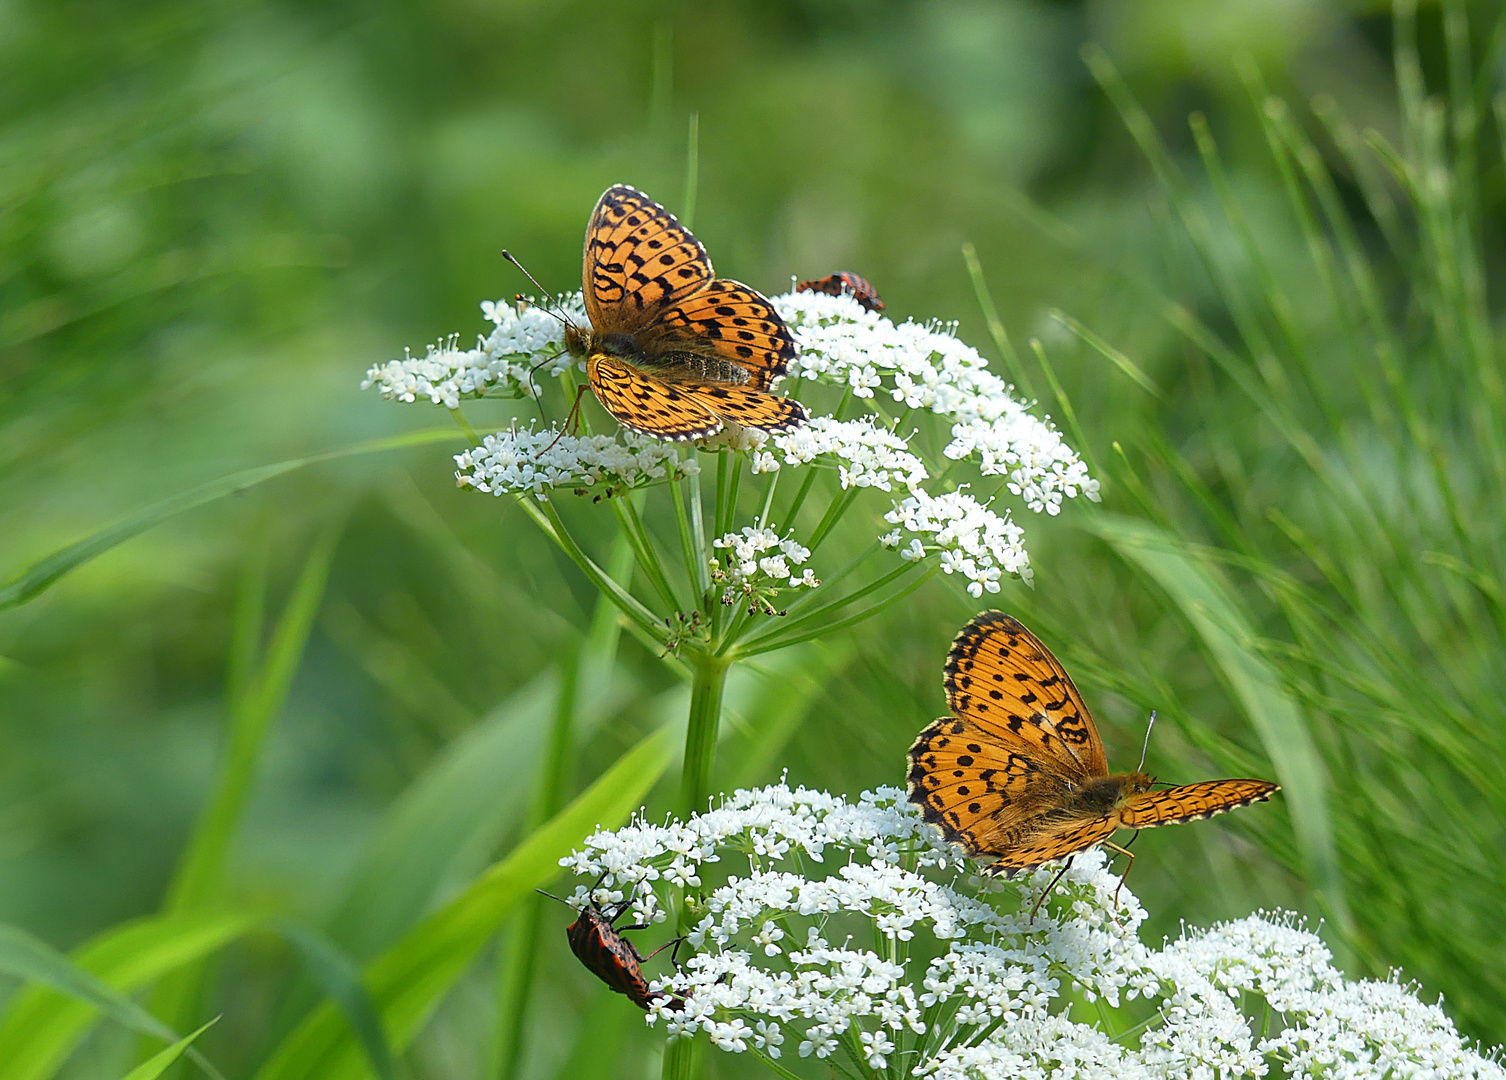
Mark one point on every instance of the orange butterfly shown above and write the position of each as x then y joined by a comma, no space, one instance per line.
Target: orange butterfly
674,351
1017,772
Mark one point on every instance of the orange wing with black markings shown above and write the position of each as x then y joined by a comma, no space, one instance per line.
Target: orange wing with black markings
1192,802
638,259
737,324
677,410
1002,677
650,405
1059,842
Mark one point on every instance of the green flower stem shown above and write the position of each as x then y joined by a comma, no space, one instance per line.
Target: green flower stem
465,426
800,607
547,518
682,1059
768,501
643,550
780,641
834,514
799,501
695,558
726,506
710,679
829,608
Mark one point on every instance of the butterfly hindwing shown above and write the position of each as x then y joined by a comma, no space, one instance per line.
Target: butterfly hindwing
638,258
1057,842
1000,675
640,401
738,324
1189,802
749,407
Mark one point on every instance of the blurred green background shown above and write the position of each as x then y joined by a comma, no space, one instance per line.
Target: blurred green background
215,217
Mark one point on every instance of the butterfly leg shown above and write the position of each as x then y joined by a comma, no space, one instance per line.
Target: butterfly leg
1123,851
535,386
571,419
1065,867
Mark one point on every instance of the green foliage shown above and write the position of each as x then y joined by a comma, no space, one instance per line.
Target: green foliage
1270,330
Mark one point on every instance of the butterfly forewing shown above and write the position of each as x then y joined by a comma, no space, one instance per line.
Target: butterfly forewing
738,324
1189,802
638,259
999,675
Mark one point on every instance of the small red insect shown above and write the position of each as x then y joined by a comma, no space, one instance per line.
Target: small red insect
612,958
843,283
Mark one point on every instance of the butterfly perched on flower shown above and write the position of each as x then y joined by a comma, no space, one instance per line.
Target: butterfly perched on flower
1017,772
674,351
844,283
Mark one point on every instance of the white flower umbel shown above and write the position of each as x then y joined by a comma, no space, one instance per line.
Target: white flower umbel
757,557
921,367
535,462
973,540
848,931
929,368
528,343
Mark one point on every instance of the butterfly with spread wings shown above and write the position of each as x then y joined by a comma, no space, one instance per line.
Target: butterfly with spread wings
674,351
1018,773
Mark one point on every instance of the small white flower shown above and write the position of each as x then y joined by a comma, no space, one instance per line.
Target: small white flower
536,462
876,1047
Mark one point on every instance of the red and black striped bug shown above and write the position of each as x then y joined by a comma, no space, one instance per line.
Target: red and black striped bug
612,958
843,283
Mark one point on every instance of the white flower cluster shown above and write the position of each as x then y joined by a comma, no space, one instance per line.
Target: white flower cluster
1041,468
973,540
750,562
528,341
960,983
523,460
868,456
930,368
920,366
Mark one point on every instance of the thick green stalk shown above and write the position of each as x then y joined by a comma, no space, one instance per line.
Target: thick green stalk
709,680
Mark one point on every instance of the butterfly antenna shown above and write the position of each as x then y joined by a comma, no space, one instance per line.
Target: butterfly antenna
1146,747
510,257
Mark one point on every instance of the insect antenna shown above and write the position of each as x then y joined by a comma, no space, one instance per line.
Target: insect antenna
1146,747
564,320
551,896
559,314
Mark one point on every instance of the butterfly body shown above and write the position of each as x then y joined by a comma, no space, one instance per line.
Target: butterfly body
673,351
1018,771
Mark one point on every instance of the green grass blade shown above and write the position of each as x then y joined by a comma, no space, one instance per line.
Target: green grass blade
42,575
340,978
158,1063
43,1025
29,958
1227,635
251,719
408,980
